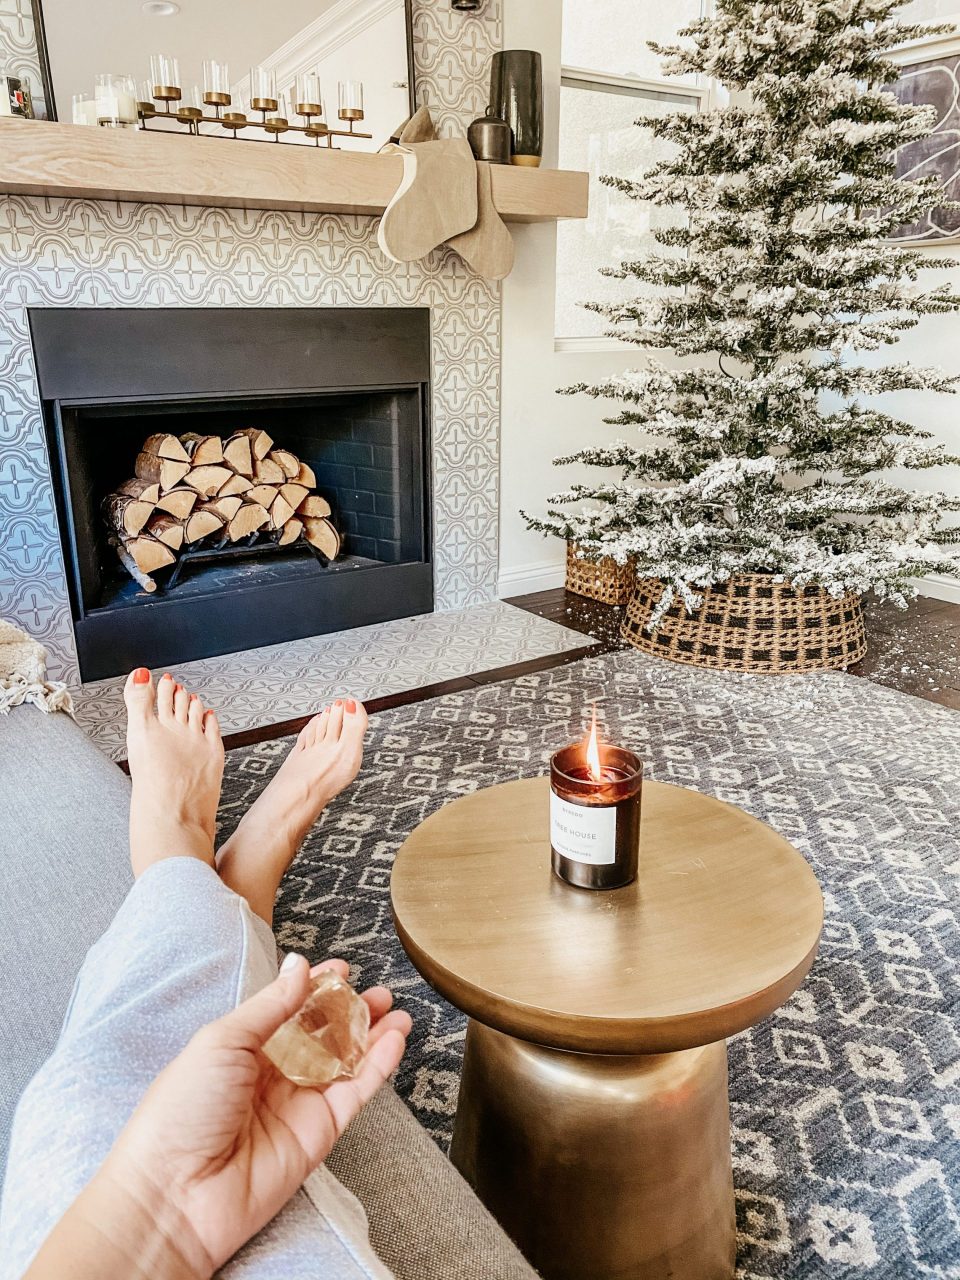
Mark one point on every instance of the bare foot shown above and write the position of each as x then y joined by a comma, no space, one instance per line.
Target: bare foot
324,760
176,764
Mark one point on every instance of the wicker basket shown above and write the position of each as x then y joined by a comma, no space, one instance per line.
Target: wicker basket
602,580
751,623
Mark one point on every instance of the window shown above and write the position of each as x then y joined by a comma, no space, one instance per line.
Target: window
606,86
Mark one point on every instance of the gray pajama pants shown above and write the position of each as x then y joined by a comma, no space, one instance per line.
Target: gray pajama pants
182,950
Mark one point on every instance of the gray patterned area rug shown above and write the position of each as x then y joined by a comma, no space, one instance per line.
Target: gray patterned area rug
846,1103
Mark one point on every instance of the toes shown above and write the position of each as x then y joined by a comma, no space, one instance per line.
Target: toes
165,697
355,718
181,704
211,727
335,723
195,713
138,692
312,731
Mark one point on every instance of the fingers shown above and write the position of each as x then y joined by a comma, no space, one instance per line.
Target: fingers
340,966
397,1020
346,1097
252,1023
379,999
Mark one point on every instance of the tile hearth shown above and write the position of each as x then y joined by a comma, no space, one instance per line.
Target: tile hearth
281,682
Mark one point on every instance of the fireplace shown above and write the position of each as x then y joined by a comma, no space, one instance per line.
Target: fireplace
345,390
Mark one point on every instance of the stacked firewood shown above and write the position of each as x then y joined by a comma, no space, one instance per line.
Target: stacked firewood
197,489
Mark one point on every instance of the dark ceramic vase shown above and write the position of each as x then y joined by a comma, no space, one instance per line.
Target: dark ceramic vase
516,92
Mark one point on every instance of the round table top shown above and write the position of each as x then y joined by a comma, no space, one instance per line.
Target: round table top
719,929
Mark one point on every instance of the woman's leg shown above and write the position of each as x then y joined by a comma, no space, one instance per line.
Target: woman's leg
324,760
176,767
182,950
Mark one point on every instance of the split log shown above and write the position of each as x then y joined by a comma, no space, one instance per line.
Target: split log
127,515
290,532
166,472
207,480
294,494
177,502
321,534
147,553
238,454
201,524
236,484
166,529
265,494
306,476
280,512
226,507
313,505
131,566
248,519
288,462
162,445
260,442
141,490
266,471
203,450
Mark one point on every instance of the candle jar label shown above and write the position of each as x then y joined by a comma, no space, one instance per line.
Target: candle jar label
583,833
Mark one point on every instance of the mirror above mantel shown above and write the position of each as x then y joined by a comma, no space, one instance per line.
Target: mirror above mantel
365,41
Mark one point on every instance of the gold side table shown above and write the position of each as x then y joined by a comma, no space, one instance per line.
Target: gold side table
593,1118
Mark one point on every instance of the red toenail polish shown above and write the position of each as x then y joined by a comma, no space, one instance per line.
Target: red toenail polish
351,706
193,697
338,703
168,676
141,676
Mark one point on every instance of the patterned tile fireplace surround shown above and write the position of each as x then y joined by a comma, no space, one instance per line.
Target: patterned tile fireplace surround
79,253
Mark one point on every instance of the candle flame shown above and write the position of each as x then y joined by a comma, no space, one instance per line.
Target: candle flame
593,750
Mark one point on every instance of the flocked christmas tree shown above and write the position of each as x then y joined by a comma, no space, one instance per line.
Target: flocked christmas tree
768,456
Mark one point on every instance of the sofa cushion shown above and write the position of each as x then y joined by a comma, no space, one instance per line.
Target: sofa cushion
425,1221
64,868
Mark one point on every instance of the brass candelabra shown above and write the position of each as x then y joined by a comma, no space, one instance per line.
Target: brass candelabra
274,116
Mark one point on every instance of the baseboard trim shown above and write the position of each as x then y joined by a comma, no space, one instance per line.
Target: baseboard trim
940,587
538,575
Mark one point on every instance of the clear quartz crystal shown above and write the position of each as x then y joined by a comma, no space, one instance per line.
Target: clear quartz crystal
326,1038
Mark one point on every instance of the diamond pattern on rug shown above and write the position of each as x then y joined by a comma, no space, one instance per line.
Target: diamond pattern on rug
845,1104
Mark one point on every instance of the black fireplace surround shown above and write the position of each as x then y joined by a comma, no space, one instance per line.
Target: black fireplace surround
346,389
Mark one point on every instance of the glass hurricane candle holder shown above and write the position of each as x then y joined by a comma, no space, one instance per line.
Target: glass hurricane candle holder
146,107
116,101
308,99
192,109
216,83
277,121
84,109
350,97
263,89
165,78
595,814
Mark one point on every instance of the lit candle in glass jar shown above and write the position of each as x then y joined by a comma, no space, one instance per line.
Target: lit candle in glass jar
595,813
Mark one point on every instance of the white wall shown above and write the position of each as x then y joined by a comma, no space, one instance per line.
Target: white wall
537,424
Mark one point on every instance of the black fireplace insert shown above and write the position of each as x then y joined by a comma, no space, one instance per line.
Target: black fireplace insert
344,389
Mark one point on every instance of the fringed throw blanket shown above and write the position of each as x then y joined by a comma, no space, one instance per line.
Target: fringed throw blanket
23,674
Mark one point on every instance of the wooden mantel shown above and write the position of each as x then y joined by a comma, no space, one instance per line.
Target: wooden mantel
44,159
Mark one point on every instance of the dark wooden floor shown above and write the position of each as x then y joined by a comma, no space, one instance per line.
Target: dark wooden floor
916,651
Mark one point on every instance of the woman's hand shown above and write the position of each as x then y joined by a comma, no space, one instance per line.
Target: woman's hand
226,1140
